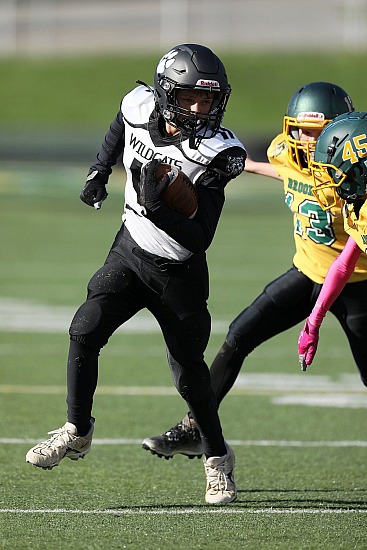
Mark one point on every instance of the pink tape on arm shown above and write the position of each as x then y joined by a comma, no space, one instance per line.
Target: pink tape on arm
337,277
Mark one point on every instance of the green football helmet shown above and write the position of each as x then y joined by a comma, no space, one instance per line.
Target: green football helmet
311,108
340,162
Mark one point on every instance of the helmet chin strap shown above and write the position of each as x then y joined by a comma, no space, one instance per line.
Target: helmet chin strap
191,126
192,143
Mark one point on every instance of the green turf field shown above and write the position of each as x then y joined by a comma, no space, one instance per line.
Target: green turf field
300,438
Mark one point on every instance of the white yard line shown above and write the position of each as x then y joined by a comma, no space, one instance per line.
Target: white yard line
188,511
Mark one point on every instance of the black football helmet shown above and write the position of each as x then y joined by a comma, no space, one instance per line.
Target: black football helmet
340,162
191,66
311,107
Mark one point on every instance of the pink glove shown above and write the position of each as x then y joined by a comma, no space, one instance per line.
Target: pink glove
338,275
307,344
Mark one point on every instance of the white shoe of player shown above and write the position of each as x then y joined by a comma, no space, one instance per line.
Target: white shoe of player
64,442
220,487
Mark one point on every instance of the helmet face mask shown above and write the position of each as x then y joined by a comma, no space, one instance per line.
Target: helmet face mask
191,67
300,152
311,108
322,175
340,163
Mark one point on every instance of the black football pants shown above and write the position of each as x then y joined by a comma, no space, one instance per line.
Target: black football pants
176,294
284,303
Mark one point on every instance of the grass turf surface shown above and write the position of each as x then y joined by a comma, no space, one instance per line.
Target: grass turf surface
299,486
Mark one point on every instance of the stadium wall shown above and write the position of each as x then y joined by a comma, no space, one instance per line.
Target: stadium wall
68,27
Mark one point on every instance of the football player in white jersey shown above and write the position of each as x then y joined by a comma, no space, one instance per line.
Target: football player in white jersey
158,258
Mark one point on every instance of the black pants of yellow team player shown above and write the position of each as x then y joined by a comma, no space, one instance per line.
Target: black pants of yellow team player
284,303
176,294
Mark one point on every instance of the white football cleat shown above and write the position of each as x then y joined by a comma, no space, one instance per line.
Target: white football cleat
64,442
220,487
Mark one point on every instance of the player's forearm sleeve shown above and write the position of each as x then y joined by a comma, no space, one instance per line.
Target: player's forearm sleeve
111,148
338,275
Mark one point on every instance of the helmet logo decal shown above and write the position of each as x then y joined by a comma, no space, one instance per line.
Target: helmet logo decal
208,83
310,116
167,60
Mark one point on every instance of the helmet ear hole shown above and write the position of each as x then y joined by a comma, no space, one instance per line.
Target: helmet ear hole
331,149
166,85
352,174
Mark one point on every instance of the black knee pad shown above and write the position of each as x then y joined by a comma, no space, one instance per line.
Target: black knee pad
113,277
85,320
244,325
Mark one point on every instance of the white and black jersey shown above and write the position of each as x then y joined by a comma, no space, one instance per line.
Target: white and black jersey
138,134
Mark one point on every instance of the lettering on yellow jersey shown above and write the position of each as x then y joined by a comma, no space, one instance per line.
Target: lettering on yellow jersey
299,186
149,154
364,239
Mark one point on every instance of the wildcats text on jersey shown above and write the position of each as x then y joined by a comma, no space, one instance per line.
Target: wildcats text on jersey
149,154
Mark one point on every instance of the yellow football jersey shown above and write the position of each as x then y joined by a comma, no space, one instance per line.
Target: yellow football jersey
319,235
355,226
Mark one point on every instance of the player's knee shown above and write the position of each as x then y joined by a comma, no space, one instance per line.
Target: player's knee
237,344
85,320
244,326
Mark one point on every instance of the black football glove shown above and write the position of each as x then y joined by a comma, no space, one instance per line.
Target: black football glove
94,193
149,188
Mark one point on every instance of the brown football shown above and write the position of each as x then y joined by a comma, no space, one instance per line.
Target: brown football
180,195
